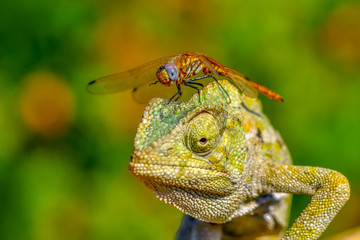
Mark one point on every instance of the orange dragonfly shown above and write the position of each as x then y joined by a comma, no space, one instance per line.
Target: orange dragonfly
178,70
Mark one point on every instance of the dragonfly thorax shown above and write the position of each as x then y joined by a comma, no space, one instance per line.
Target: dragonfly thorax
167,74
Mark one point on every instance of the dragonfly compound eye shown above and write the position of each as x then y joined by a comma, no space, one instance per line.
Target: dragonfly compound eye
172,71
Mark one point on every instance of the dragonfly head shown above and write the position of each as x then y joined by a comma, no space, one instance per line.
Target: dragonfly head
167,74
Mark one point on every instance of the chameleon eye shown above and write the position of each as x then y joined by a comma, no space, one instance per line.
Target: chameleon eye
202,134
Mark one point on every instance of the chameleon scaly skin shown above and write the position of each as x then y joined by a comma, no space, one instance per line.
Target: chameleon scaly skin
224,163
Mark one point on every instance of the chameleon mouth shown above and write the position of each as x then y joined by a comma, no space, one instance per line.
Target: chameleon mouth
148,168
154,166
200,178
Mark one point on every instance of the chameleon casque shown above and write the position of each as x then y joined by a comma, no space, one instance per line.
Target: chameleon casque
228,169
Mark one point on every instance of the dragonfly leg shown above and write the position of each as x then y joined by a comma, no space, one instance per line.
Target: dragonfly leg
201,77
178,94
154,83
207,76
195,83
188,84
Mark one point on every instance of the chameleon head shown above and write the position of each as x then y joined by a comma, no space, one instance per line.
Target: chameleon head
192,156
167,74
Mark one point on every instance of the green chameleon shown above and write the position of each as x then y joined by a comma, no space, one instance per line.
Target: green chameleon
223,164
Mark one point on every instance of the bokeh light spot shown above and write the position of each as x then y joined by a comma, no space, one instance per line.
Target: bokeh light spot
47,104
340,35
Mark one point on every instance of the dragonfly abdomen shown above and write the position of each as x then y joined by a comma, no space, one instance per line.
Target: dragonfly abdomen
267,92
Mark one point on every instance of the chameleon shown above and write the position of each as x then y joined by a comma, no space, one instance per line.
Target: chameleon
229,171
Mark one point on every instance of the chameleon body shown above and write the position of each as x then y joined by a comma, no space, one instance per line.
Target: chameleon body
228,169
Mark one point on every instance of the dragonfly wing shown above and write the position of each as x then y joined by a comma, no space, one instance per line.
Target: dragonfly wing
239,79
143,93
243,83
132,78
209,66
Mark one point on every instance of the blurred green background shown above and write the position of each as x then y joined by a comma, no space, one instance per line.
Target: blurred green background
64,153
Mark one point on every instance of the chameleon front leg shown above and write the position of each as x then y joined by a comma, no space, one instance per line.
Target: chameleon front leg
329,190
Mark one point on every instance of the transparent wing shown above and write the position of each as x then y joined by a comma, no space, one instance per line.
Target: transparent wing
251,88
143,93
239,79
242,82
210,66
132,78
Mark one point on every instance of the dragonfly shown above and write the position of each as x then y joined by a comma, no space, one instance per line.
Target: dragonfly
179,70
